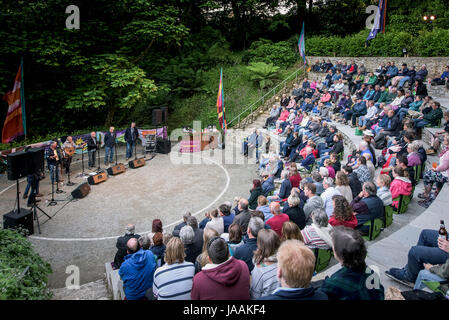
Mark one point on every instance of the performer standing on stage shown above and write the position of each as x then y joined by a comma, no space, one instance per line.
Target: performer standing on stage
92,148
131,135
53,162
69,148
109,145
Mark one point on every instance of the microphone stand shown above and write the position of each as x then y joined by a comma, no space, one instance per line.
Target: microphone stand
82,174
98,148
116,151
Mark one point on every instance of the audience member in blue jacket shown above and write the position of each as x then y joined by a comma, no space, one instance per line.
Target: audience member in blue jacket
369,93
268,185
137,271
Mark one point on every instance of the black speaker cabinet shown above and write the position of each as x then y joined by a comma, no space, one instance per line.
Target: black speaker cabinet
23,219
164,114
140,162
163,146
18,165
115,170
157,117
37,156
98,178
81,191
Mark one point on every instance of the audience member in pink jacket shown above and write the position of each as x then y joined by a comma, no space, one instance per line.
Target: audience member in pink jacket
326,97
400,185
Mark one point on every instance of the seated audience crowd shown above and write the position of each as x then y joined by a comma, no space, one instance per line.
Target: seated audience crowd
308,197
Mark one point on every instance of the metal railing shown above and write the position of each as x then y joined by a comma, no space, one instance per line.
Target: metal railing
270,94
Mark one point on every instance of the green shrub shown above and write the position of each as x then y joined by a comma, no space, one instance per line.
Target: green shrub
426,43
16,257
280,54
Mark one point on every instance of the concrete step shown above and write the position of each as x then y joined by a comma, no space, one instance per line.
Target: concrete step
96,290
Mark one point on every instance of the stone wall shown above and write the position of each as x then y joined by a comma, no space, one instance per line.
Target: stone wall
435,65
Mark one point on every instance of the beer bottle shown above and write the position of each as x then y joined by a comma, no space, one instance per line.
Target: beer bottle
442,233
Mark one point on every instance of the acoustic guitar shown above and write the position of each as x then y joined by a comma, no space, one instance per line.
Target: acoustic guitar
70,151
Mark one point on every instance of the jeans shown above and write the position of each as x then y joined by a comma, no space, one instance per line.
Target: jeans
420,123
426,251
91,158
54,173
322,158
402,113
425,275
109,152
32,184
402,81
129,149
322,148
284,147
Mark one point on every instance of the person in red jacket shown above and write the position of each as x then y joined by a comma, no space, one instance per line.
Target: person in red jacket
401,185
224,278
295,177
278,218
343,215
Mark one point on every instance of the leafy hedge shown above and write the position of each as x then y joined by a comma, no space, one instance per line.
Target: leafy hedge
16,255
280,54
425,44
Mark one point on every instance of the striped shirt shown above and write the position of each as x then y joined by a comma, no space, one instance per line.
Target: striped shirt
264,280
174,281
312,239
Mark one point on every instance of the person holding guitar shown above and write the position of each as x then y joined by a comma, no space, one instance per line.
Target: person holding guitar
53,159
69,148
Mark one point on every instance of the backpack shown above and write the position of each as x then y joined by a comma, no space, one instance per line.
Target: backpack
381,143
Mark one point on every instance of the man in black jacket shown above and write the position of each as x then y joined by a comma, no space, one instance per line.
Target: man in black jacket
131,135
244,216
197,245
122,247
245,252
354,182
392,128
178,227
109,145
92,148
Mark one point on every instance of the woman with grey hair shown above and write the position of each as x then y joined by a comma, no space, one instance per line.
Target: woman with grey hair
187,235
413,155
317,235
295,212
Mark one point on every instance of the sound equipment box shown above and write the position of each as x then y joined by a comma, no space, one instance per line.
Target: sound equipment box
23,163
81,191
23,219
156,117
98,178
137,163
115,170
18,163
163,146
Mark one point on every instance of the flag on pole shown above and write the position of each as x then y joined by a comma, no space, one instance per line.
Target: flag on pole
14,125
302,45
221,110
379,21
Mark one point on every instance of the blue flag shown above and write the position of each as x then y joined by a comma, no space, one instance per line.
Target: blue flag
302,45
379,21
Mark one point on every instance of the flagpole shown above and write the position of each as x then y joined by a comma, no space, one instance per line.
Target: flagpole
22,98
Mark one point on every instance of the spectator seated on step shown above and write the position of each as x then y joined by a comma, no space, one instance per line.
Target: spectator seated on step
309,159
223,278
443,79
367,206
137,271
317,235
121,245
313,201
438,136
284,191
343,214
173,281
430,249
224,210
432,118
401,185
274,115
350,282
182,224
413,155
295,267
282,117
383,192
245,252
158,247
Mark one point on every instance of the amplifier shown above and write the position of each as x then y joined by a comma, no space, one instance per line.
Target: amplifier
81,191
98,178
120,168
140,162
23,219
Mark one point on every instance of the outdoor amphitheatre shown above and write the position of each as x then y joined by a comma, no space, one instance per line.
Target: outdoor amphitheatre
256,150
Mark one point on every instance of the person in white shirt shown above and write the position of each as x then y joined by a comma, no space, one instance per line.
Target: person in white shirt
216,222
329,191
370,114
